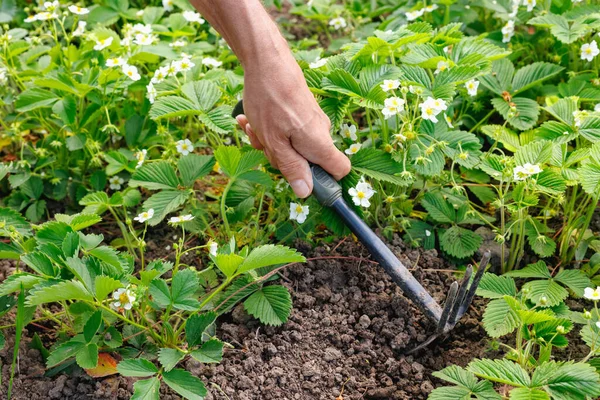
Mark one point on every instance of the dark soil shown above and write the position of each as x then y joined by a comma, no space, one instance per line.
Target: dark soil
350,329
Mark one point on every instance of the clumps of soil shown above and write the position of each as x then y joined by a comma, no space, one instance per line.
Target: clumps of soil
350,329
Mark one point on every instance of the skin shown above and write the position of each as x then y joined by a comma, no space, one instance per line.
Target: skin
282,116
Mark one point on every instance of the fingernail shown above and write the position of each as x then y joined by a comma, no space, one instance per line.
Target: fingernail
239,119
300,188
248,129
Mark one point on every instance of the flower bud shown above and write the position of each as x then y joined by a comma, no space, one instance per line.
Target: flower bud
587,314
560,329
543,300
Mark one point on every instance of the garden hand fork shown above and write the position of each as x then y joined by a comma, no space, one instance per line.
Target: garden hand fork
329,193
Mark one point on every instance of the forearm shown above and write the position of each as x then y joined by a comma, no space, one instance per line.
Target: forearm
247,28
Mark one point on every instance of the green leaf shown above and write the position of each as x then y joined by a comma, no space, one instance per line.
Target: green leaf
112,338
164,203
218,120
468,386
553,292
40,263
64,351
228,263
503,135
196,325
210,352
591,337
460,242
526,115
105,285
568,380
107,255
560,27
147,389
34,98
378,165
204,94
269,255
87,357
70,246
193,167
229,158
136,367
537,270
66,290
271,305
496,287
438,208
95,203
155,176
590,179
533,74
499,318
502,371
183,287
172,106
9,218
92,325
160,292
15,282
185,384
574,279
169,358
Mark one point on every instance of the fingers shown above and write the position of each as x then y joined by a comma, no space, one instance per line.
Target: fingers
243,123
318,148
295,169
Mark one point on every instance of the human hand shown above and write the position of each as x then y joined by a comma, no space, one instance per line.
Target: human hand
283,119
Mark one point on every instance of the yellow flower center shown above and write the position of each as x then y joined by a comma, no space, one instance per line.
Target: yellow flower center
429,111
360,195
299,209
123,298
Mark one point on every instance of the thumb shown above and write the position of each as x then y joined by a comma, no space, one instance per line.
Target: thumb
295,169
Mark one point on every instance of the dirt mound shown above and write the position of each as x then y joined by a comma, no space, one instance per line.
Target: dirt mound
350,328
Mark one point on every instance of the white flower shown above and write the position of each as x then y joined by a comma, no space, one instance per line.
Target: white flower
508,31
139,13
418,90
589,51
318,63
353,149
141,28
427,232
441,66
448,121
184,64
115,62
78,10
212,248
530,4
390,84
160,75
309,3
598,324
522,172
177,43
184,147
131,71
167,5
361,194
431,8
140,156
181,219
431,107
597,107
45,16
115,182
591,293
151,92
191,16
101,44
392,106
30,19
281,185
123,298
144,216
144,39
298,212
472,86
412,15
348,131
51,5
338,23
211,62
